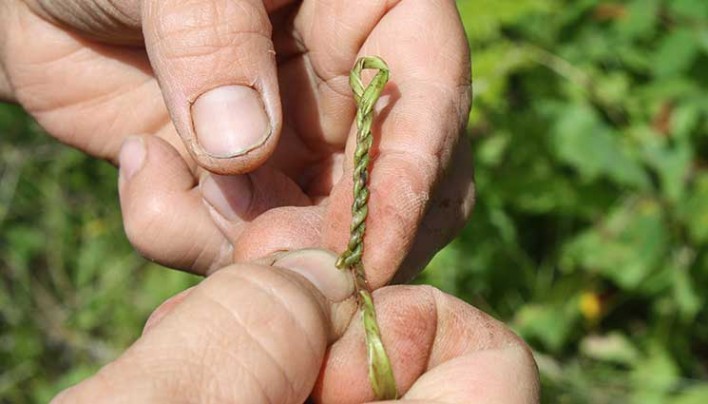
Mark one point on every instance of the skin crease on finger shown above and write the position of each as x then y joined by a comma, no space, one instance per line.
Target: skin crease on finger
229,349
442,349
115,22
111,21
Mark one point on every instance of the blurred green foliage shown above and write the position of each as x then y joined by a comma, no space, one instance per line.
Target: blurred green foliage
591,224
590,130
73,294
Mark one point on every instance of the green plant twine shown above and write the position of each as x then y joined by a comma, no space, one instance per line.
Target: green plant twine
380,372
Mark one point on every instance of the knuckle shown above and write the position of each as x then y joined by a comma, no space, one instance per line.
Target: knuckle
114,21
204,28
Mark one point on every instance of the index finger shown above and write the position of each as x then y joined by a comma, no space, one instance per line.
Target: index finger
421,115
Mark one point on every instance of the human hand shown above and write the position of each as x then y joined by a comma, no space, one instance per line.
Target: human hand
253,333
88,71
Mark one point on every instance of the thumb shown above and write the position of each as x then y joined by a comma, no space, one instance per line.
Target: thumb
216,66
248,333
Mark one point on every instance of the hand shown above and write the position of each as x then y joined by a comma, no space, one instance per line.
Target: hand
256,87
253,333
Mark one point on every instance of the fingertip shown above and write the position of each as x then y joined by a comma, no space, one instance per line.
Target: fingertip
318,267
217,70
163,218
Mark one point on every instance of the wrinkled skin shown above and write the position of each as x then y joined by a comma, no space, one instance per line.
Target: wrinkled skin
94,72
207,344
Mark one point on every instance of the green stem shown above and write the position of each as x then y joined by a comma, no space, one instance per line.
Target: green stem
381,376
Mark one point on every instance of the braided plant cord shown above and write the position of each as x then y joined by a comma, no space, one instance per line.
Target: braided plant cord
380,372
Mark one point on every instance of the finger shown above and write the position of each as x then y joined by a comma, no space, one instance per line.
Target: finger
165,308
58,76
159,200
448,210
216,65
506,375
111,21
214,347
407,34
420,117
441,350
236,201
282,229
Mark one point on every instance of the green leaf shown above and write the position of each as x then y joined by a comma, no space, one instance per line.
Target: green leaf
491,151
492,68
641,20
687,298
626,248
484,18
551,324
692,395
654,376
694,210
691,9
612,88
702,39
676,53
583,141
673,163
685,118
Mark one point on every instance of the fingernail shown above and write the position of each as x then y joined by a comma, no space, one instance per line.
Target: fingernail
131,157
230,195
317,266
230,121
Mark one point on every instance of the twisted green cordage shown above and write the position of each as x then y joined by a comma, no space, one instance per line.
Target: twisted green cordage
380,372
